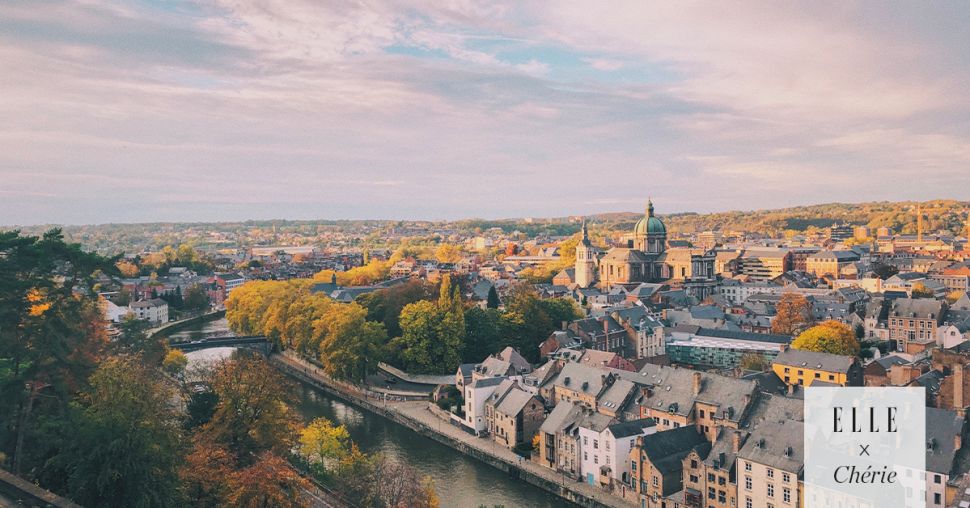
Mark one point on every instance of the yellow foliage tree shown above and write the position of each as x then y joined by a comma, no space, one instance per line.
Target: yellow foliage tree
829,337
794,314
447,253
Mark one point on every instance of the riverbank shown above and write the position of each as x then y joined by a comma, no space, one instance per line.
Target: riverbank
417,417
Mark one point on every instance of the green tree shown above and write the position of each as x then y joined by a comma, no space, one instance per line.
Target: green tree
196,298
483,334
492,302
133,338
51,336
828,337
126,449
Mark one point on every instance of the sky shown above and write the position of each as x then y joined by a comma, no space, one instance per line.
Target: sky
152,110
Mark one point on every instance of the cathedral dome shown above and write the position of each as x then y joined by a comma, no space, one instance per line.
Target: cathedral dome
649,225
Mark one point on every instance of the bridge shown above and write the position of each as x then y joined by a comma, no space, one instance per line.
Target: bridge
257,342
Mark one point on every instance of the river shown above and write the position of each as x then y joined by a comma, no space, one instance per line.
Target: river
460,480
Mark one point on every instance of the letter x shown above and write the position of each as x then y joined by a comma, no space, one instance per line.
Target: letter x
864,450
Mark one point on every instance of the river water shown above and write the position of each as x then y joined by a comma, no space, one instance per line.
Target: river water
459,480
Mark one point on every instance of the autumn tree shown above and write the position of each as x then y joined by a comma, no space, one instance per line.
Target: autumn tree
127,444
828,337
794,314
52,337
920,290
322,444
268,481
432,332
253,413
447,253
175,362
753,361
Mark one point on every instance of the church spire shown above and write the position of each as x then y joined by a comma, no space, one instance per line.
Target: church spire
649,207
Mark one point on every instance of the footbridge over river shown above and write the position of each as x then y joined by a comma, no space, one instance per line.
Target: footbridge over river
255,342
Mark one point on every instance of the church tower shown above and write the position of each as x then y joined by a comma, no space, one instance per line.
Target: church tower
585,261
650,234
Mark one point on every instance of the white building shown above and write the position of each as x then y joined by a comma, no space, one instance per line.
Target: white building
154,311
605,448
476,394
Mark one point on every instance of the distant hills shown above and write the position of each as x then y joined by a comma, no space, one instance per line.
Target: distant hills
938,215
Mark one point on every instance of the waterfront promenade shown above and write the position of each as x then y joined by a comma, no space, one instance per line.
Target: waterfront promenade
417,416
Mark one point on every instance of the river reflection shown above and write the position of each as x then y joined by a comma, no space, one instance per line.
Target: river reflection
459,480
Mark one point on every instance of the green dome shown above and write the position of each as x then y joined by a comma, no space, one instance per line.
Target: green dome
649,225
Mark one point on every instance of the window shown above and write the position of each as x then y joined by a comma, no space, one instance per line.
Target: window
702,414
655,481
937,479
771,490
786,495
831,377
748,503
818,375
710,477
711,494
585,440
785,477
747,466
693,464
771,473
633,465
936,498
694,478
722,497
721,481
747,483
585,456
596,444
596,459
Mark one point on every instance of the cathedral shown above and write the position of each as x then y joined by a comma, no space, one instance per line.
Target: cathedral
645,258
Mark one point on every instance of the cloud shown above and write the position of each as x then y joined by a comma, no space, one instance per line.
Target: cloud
240,109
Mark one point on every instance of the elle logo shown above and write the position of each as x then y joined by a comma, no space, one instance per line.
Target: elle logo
860,420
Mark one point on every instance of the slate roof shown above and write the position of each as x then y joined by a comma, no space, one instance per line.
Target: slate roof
487,381
814,360
513,401
627,255
144,304
776,444
631,428
923,308
667,449
673,391
563,415
941,427
888,361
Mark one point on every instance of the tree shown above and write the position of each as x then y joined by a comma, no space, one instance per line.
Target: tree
483,334
920,290
447,253
253,413
753,361
175,362
133,338
196,298
52,335
528,320
423,346
385,305
492,302
322,444
126,450
269,481
348,342
794,314
828,337
127,269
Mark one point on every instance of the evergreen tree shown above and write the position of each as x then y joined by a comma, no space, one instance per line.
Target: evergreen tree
492,302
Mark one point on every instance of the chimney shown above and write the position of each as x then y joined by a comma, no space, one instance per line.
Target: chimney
958,387
736,442
791,389
697,383
564,325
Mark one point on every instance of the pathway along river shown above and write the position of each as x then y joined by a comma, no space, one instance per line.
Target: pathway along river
460,480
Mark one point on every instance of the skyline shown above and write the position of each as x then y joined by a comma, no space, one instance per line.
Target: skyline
189,112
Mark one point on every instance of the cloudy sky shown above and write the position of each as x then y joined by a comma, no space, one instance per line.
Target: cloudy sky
235,109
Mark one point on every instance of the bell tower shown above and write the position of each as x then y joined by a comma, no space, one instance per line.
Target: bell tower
585,260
